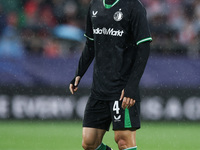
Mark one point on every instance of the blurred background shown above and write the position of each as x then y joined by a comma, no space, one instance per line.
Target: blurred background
41,42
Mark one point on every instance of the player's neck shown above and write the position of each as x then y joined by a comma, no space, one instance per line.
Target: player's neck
109,1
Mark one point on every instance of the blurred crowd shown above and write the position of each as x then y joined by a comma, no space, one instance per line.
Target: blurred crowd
175,26
51,28
54,28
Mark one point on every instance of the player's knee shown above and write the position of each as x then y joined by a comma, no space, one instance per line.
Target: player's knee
85,146
88,145
122,144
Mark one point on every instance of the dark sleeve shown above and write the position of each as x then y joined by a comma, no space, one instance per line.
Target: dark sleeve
139,25
86,58
137,70
89,29
87,55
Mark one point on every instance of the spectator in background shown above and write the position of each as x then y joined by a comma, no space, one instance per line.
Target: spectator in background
52,48
70,13
196,6
10,42
46,18
58,10
33,42
31,9
2,19
83,7
39,14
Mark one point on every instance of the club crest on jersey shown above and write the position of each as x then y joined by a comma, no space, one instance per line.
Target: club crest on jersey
94,13
118,15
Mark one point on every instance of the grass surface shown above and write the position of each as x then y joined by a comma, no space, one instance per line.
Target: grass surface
49,135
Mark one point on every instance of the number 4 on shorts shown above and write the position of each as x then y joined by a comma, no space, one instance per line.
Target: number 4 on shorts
116,107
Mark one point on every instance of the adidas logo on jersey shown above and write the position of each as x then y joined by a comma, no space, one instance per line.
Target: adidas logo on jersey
109,31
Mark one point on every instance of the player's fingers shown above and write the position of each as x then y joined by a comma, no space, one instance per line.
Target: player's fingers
128,101
77,80
124,103
71,88
75,89
132,102
122,95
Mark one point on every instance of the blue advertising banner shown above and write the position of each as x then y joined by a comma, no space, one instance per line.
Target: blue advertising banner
163,72
37,88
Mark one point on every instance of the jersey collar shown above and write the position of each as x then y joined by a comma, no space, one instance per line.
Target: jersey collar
107,6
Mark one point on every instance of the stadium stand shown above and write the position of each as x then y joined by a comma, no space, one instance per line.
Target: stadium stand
38,27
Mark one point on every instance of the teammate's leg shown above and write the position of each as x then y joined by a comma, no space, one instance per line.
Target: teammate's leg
92,138
126,139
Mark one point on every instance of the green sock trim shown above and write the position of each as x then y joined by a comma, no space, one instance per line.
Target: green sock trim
131,148
101,147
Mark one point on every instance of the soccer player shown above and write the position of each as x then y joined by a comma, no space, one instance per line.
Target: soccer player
118,39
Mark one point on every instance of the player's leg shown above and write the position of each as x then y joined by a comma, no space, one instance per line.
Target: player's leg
92,138
96,122
126,139
125,124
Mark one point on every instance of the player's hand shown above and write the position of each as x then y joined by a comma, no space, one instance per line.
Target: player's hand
74,87
127,101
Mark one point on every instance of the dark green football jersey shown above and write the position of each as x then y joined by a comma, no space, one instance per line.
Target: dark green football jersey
116,29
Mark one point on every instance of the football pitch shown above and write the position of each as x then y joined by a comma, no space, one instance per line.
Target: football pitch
66,135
